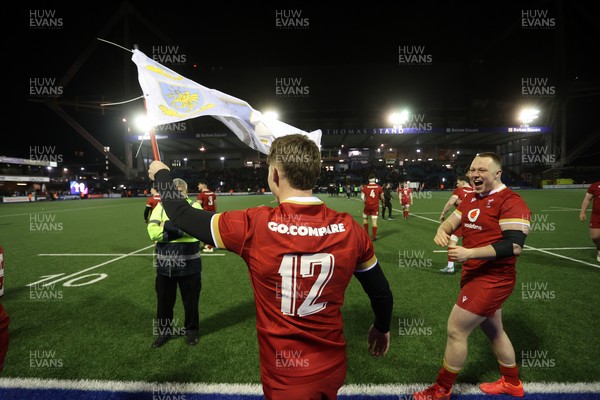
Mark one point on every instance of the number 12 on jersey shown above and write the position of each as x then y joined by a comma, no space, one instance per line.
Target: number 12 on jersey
295,267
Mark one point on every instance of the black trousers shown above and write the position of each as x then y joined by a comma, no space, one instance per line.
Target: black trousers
387,205
166,295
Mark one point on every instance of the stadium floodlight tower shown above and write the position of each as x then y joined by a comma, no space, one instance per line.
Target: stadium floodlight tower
527,116
271,114
398,119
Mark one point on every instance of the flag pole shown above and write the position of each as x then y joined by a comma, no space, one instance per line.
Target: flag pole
153,138
152,135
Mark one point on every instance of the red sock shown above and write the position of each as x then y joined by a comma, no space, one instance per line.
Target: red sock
374,232
510,374
446,378
366,227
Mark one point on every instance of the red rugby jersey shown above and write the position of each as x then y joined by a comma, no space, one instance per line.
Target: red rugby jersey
594,190
301,256
404,194
208,200
481,221
153,201
461,193
372,193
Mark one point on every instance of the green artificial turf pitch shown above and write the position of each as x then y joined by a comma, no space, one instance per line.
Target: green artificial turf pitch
79,289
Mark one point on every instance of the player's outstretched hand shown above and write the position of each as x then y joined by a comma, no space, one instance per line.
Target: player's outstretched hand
379,343
441,238
154,167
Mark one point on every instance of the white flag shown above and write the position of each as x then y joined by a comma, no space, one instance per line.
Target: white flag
171,97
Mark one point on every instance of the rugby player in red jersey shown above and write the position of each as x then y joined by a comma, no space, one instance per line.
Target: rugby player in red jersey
593,194
208,200
495,222
405,196
152,201
371,194
462,189
301,256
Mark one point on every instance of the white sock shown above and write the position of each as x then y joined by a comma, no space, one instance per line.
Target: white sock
450,264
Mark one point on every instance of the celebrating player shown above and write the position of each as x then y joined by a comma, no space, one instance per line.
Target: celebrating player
405,196
208,200
593,194
495,223
371,194
301,257
152,201
462,189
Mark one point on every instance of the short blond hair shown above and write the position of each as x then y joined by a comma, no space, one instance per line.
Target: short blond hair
299,158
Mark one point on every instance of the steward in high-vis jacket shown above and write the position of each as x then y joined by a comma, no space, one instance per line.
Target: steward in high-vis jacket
177,262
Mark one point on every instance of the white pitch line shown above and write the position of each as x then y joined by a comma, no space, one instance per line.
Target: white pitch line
561,256
419,216
59,211
97,266
570,210
566,208
539,248
110,255
532,248
242,389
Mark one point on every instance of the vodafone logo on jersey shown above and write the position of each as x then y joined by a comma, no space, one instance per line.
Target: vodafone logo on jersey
472,215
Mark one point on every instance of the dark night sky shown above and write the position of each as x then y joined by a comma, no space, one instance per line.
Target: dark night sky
349,56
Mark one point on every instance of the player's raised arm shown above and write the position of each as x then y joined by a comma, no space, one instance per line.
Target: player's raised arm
193,221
